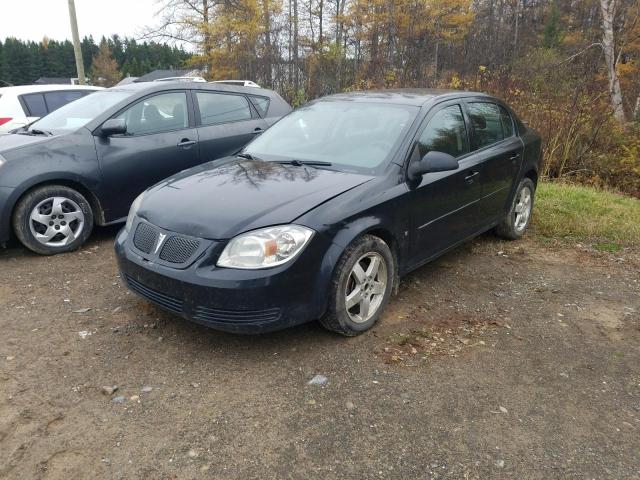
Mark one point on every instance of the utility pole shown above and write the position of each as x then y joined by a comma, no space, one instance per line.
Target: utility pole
76,42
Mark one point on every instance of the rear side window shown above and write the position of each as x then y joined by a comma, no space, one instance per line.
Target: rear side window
261,104
34,105
55,100
222,108
445,132
490,123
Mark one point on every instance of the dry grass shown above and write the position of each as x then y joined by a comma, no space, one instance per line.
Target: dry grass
605,219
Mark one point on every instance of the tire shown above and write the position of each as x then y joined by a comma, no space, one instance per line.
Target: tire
37,229
514,226
353,321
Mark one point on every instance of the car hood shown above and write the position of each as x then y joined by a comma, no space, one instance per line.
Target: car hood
221,199
13,140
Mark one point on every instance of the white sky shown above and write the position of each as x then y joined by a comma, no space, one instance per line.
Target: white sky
34,19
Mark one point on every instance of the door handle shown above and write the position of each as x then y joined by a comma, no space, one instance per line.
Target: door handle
185,142
472,175
257,131
514,157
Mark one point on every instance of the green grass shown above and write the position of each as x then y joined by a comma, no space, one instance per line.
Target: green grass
607,220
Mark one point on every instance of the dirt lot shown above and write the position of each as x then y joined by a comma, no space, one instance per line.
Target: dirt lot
501,360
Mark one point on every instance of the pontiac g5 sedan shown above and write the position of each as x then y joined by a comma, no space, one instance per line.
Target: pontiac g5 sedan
321,216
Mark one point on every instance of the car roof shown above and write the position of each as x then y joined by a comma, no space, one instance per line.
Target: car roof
151,87
20,89
404,96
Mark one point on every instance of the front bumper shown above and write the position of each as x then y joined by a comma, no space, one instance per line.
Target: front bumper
231,300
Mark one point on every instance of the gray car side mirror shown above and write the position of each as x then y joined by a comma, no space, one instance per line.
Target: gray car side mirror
113,126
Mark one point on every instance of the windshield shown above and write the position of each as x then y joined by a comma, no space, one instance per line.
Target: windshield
353,136
80,112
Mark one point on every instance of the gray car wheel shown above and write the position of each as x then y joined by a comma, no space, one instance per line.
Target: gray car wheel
53,219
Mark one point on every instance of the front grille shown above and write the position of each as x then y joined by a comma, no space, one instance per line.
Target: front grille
178,249
145,237
170,303
216,315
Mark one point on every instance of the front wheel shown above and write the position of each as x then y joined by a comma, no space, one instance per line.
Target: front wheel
361,287
53,219
517,221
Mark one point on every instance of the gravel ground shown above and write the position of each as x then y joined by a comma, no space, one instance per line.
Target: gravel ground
500,360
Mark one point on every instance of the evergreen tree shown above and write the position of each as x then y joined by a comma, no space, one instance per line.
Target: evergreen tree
104,71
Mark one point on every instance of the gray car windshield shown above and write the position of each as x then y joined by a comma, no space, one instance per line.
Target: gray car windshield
80,112
353,136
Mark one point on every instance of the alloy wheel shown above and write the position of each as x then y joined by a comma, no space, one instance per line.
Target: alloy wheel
56,221
523,209
366,287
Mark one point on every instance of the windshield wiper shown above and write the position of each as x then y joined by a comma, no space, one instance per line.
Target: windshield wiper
248,156
35,131
300,163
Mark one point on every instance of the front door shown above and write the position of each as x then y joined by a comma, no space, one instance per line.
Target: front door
444,205
161,140
227,123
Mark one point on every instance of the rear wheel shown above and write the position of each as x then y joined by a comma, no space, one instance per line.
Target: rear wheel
516,222
361,287
53,219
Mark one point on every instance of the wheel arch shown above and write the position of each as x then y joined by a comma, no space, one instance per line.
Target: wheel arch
74,183
369,226
532,174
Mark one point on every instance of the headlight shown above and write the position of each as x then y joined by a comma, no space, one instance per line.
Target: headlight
267,247
2,160
133,211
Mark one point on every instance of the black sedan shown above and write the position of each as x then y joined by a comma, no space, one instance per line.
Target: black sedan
320,216
86,162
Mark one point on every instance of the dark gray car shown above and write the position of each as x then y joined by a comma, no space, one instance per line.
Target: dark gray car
85,163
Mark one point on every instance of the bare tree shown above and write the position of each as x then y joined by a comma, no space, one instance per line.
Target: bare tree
608,11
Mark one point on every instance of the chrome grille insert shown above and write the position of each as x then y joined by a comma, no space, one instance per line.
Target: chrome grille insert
145,237
178,249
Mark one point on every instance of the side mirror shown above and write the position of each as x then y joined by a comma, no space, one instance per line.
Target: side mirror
113,126
432,162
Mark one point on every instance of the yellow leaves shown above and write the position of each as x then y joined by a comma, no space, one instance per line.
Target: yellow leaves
482,68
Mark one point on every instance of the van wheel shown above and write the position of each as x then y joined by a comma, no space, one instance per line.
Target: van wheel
53,219
361,287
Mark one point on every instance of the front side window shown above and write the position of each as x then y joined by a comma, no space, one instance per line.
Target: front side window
489,123
157,114
222,108
445,132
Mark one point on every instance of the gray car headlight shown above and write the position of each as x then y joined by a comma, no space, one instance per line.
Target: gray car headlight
2,160
267,247
133,211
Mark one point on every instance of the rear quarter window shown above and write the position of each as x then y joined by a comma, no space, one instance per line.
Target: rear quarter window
261,104
34,104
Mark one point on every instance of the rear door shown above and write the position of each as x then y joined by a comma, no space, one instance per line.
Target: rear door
161,140
444,205
226,123
499,149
